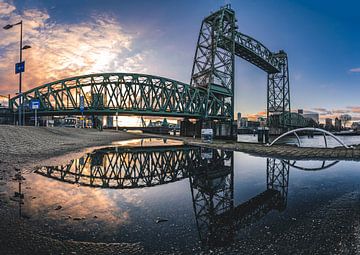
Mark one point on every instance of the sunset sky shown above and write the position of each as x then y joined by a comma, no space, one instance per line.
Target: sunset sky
70,38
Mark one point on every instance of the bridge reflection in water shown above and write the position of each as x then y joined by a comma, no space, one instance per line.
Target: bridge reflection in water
211,177
127,167
212,189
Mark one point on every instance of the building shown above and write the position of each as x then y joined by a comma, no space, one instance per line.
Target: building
312,115
309,115
253,124
337,124
243,122
4,101
239,120
328,124
355,126
262,121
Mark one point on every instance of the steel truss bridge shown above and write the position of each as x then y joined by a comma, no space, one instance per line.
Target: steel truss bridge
210,94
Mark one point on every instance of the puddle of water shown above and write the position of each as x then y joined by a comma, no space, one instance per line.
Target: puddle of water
176,196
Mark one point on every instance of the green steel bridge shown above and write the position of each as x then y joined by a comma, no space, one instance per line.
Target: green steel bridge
209,96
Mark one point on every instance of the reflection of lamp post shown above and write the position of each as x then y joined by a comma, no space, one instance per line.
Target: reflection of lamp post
20,67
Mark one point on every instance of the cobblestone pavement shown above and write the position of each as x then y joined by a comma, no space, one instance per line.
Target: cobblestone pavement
23,148
335,224
276,151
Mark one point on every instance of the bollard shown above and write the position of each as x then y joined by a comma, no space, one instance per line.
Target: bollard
260,135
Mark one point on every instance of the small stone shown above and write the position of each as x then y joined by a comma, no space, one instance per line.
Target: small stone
159,220
25,216
58,207
20,195
18,177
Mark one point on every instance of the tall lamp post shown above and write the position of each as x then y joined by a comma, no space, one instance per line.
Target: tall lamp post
19,67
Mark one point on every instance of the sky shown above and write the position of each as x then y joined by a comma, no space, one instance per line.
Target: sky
70,38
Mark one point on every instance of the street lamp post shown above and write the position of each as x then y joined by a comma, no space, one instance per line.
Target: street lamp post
21,70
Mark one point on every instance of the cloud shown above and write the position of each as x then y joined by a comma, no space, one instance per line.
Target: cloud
6,9
353,111
355,70
255,116
64,50
320,109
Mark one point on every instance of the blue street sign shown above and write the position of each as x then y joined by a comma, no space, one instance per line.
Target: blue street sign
82,103
20,67
35,104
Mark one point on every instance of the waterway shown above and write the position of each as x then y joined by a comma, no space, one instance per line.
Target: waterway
168,196
306,141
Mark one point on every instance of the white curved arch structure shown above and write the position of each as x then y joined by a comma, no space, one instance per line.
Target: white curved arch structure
324,132
322,167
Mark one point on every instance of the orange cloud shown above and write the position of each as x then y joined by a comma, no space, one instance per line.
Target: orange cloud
6,9
255,116
63,50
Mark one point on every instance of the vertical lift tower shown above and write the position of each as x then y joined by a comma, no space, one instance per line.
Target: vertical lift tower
213,70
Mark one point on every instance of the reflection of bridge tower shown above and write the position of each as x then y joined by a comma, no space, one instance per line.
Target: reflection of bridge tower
218,220
277,178
212,191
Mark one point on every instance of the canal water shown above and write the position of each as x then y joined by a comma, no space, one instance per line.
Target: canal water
306,141
169,196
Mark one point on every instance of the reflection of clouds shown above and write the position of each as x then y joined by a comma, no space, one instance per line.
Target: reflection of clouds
63,50
148,142
77,202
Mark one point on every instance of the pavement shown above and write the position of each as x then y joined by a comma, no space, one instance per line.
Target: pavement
276,151
333,228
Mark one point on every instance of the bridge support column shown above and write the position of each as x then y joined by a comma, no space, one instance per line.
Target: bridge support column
190,129
224,130
278,95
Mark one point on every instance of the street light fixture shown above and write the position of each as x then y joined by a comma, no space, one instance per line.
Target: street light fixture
8,26
21,64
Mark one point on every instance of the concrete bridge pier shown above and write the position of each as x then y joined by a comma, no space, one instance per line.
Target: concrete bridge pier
222,130
190,129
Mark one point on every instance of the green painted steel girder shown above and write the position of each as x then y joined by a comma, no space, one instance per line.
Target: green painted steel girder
122,93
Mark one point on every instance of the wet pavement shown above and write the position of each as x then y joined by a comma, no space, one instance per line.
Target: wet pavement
165,197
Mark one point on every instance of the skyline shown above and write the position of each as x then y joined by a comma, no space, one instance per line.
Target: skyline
320,41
